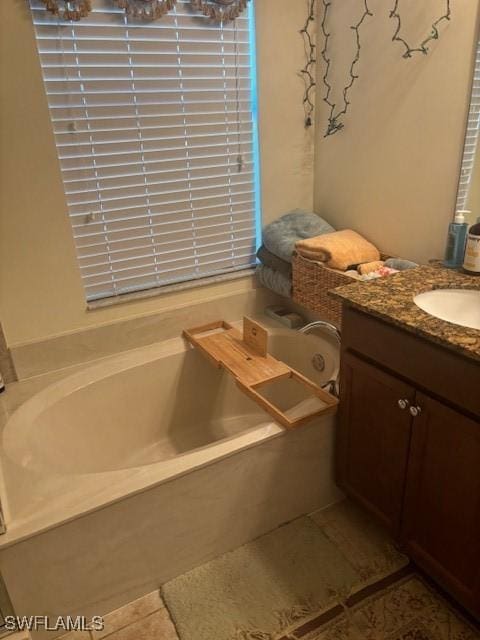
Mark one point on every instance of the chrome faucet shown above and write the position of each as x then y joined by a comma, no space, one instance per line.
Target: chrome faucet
332,386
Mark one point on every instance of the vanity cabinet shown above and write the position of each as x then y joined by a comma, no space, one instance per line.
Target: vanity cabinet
374,438
441,519
408,447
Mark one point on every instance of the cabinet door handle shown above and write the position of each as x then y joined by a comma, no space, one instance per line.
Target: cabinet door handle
415,411
403,404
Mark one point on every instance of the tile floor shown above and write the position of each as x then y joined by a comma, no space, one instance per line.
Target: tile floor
143,619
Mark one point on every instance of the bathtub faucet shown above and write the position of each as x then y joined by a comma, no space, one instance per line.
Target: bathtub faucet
332,386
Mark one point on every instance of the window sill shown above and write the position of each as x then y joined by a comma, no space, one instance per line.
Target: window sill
172,288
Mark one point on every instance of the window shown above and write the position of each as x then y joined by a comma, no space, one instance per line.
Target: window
155,127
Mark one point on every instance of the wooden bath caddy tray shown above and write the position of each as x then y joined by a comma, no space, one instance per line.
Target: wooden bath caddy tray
247,359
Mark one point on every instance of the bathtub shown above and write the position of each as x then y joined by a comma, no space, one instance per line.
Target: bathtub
135,469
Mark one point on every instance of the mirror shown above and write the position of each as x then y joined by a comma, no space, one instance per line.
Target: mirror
468,198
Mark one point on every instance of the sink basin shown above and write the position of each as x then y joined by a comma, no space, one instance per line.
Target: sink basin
459,306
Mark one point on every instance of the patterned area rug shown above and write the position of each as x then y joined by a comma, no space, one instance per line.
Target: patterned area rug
272,585
406,610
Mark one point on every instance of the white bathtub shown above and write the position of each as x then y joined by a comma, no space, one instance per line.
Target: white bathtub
134,470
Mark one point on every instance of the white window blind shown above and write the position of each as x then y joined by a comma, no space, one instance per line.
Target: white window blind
471,139
155,127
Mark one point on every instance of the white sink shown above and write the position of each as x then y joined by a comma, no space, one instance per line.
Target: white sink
459,306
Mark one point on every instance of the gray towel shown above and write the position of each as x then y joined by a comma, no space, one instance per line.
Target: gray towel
280,236
274,280
271,260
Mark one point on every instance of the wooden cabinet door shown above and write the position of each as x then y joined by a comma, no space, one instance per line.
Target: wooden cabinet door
441,526
373,439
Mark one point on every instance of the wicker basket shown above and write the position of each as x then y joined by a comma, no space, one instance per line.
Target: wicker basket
311,283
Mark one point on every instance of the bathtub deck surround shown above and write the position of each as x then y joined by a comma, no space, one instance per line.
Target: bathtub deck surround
245,356
88,345
87,461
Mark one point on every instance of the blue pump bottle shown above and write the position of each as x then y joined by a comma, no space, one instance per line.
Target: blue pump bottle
456,241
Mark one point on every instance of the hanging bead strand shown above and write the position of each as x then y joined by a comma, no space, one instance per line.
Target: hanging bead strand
68,9
336,116
308,71
220,9
146,9
434,32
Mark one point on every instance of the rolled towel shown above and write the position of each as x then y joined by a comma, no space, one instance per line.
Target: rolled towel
368,267
269,259
382,272
386,271
274,280
280,236
399,264
353,273
339,250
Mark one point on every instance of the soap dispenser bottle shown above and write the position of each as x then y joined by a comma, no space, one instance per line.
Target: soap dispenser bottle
472,253
457,237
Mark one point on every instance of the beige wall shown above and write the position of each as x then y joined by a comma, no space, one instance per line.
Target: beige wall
392,173
40,290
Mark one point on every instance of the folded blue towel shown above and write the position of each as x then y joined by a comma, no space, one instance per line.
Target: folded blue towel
281,235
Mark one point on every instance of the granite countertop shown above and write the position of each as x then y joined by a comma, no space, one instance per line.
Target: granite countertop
391,298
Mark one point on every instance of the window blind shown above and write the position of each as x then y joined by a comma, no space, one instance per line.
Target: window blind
471,139
155,127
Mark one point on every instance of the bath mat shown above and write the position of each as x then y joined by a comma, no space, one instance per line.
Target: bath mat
407,610
261,589
363,543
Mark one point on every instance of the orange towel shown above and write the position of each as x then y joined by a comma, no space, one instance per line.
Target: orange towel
369,267
338,250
